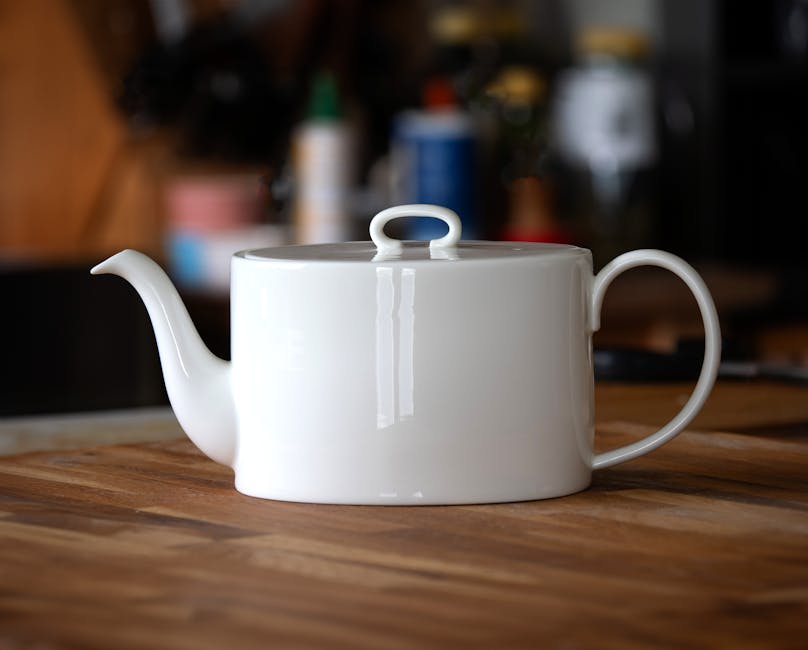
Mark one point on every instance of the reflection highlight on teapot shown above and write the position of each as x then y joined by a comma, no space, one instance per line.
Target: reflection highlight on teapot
395,341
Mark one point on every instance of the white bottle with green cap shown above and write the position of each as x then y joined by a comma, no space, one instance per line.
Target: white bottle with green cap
323,158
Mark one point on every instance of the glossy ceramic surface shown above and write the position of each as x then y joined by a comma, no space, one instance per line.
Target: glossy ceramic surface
403,373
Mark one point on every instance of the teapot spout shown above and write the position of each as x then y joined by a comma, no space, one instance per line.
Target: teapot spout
198,382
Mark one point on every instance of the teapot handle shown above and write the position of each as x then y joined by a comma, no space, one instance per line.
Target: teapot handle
712,345
385,244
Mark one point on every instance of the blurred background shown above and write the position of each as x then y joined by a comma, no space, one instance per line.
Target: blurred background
189,129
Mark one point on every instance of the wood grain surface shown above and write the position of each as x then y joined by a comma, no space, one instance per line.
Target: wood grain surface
702,544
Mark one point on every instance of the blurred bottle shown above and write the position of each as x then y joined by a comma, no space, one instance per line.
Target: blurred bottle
604,134
323,153
479,46
473,41
455,31
516,97
517,100
433,159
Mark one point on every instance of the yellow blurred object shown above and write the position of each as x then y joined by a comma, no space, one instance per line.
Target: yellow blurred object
462,24
622,42
518,84
453,25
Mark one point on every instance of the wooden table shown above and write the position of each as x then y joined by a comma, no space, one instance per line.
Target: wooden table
702,544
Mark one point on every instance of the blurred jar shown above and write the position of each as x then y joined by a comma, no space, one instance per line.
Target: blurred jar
605,138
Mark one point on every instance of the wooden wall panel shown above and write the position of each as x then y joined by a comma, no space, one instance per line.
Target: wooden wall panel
64,152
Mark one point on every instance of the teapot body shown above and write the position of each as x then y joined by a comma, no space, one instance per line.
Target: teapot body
390,372
395,381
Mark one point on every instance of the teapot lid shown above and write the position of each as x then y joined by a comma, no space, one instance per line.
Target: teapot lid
382,248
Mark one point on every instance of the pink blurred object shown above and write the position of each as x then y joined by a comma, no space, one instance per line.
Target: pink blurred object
210,203
208,218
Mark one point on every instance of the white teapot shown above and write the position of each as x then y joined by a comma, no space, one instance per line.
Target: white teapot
392,372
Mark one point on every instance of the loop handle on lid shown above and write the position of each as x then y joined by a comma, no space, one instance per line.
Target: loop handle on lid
385,244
